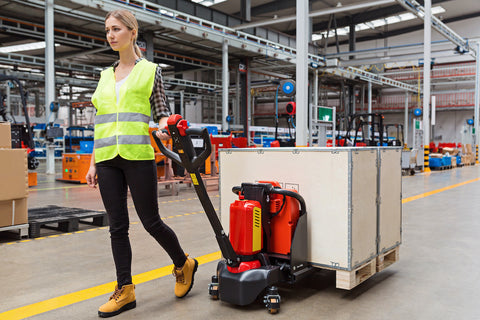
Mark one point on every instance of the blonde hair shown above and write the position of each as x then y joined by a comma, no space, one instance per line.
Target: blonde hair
129,20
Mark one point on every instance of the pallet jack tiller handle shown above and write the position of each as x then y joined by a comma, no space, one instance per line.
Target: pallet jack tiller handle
187,158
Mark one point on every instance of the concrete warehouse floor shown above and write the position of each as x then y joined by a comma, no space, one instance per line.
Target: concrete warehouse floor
437,276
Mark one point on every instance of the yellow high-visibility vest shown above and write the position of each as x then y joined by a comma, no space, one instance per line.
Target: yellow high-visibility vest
121,127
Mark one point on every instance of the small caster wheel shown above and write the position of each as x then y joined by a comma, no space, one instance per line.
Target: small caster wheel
273,311
272,300
213,288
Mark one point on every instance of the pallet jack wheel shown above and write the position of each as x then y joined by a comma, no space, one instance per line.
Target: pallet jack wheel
272,300
213,288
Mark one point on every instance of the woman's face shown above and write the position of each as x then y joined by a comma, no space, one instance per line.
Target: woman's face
118,35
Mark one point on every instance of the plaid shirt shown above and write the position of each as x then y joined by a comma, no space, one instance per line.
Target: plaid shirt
158,99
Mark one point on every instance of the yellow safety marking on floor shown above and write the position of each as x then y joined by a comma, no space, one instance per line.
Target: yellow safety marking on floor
426,194
57,188
82,295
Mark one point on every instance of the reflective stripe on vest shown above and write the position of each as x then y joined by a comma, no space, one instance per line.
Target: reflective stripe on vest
111,141
121,127
125,116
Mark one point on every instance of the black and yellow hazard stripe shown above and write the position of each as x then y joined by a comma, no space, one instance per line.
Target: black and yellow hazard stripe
476,153
426,157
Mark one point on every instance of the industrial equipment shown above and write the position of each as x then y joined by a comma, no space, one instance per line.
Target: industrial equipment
22,136
394,134
369,125
267,244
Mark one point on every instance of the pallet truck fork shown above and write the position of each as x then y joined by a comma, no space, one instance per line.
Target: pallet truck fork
256,257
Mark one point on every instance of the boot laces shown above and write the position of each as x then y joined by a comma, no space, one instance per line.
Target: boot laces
116,294
178,274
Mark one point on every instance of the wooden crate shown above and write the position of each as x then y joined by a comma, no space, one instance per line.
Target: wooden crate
339,186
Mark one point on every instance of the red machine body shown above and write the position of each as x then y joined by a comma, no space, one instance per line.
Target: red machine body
246,230
246,234
283,224
284,218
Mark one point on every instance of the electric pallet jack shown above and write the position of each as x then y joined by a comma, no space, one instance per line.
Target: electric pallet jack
267,245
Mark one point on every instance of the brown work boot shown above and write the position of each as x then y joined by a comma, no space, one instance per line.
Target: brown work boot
121,300
185,277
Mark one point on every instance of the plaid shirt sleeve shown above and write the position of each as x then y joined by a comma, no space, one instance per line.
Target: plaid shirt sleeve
158,99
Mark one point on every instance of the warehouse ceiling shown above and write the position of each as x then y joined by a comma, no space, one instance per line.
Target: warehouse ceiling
79,35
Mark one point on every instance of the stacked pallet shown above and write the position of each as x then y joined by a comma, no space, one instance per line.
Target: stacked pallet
14,186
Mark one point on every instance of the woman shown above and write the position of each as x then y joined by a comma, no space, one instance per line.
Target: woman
123,157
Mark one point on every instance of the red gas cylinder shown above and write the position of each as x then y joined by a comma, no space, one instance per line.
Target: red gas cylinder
246,233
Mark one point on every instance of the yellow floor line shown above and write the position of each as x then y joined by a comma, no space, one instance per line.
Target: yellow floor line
426,194
82,295
57,188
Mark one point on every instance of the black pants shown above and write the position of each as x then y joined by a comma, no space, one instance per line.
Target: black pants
141,177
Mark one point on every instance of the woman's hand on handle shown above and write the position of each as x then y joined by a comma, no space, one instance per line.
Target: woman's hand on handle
161,134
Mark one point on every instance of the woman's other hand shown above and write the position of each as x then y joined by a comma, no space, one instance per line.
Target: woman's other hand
92,177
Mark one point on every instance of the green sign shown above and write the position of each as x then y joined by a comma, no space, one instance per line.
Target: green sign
325,114
417,124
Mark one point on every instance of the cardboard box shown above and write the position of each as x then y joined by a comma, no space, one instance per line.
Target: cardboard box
469,148
436,155
5,135
13,174
13,212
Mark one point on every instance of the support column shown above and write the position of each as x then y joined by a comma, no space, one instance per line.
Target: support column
369,107
182,104
477,100
405,122
426,82
236,111
310,109
225,84
49,79
7,92
149,41
302,73
246,10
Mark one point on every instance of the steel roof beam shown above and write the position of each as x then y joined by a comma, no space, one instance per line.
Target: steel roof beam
181,22
418,10
13,58
315,13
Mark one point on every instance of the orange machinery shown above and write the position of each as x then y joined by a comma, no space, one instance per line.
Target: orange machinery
75,167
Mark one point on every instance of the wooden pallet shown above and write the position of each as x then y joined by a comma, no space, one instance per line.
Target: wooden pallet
441,168
66,219
350,279
388,258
